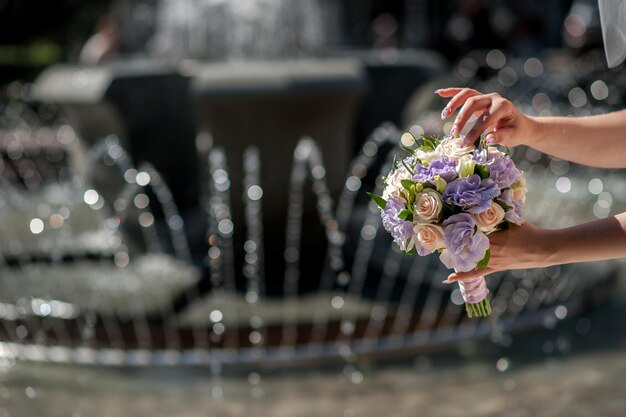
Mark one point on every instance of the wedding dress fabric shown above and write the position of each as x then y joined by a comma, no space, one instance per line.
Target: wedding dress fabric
613,22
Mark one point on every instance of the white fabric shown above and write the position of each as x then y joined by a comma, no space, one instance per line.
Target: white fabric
613,21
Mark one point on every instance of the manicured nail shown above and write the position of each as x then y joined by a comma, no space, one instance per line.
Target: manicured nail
445,113
454,131
447,281
438,91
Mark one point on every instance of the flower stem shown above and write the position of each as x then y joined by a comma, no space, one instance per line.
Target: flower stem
480,309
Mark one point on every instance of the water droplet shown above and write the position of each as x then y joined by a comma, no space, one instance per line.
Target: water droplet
141,201
130,175
255,192
30,392
495,59
121,259
56,221
563,185
254,378
337,302
456,297
595,186
318,172
577,97
216,316
36,226
146,219
599,90
407,139
175,222
507,76
353,183
560,312
502,364
533,67
225,226
255,337
357,377
509,385
218,328
368,232
143,179
370,148
91,197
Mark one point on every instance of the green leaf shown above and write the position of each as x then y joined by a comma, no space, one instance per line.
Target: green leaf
428,142
482,171
378,200
407,184
407,149
406,215
485,261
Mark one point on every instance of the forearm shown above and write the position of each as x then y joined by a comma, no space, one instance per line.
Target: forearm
593,241
598,141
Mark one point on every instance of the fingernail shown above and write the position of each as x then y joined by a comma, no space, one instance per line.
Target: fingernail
447,281
438,91
454,131
445,113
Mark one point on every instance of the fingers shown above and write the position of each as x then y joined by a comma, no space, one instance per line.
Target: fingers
474,273
500,136
458,100
477,104
448,92
489,120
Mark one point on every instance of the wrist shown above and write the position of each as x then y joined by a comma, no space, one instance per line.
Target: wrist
534,130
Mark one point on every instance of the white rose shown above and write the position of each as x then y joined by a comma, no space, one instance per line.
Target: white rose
430,236
428,205
393,184
453,148
490,218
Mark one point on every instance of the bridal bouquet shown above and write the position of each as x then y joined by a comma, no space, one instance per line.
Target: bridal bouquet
447,197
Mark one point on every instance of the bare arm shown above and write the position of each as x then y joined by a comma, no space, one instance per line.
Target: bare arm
530,247
598,141
594,140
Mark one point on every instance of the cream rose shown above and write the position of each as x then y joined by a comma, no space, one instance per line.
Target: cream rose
428,205
393,184
453,148
430,236
490,218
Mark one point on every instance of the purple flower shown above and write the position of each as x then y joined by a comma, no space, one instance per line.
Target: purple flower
465,246
503,172
485,155
400,230
443,167
472,194
514,213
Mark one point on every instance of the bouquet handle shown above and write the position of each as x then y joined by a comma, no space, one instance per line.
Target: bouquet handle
475,294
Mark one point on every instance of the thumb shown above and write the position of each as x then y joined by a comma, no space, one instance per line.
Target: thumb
501,136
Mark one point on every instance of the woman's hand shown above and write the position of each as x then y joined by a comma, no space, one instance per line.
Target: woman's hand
520,247
505,124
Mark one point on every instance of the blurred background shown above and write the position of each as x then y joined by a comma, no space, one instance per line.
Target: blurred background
184,227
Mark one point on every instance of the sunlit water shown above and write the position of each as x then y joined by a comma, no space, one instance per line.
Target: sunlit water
574,369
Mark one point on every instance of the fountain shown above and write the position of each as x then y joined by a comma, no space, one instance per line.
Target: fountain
120,247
